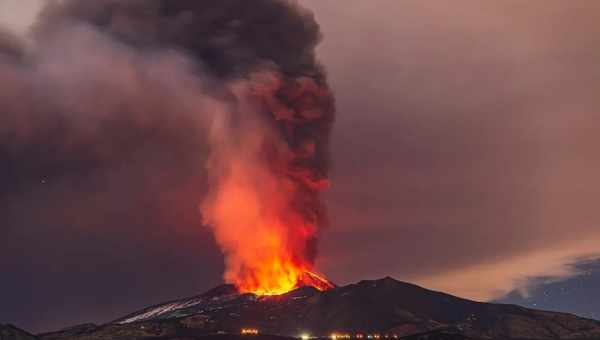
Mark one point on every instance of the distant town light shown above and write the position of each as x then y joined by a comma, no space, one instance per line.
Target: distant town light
304,336
249,331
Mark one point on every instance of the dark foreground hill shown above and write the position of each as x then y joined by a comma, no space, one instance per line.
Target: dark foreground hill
384,307
9,332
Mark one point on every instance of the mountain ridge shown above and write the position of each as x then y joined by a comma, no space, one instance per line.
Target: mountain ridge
384,306
10,332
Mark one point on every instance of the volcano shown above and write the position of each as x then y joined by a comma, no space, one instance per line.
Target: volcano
376,309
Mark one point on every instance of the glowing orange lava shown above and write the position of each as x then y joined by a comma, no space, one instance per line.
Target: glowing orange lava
280,279
265,238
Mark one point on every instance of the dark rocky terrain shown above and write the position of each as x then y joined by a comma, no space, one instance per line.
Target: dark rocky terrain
385,307
9,332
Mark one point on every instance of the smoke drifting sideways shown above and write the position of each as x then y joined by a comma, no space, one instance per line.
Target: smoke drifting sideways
10,46
236,80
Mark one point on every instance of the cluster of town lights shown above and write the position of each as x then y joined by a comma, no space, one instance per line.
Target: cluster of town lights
340,336
333,336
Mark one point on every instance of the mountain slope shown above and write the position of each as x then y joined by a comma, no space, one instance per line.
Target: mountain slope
382,306
9,332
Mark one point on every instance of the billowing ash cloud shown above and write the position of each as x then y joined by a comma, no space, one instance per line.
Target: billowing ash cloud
10,46
231,87
230,37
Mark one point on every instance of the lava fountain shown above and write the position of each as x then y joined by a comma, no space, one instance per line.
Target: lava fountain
268,167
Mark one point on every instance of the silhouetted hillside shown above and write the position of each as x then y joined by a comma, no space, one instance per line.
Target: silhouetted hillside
384,307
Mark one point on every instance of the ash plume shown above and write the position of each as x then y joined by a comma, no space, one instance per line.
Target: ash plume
10,46
233,83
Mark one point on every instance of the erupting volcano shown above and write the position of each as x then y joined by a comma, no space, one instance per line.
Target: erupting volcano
263,109
269,164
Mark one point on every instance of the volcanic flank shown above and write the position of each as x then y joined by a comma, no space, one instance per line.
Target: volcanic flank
242,76
379,307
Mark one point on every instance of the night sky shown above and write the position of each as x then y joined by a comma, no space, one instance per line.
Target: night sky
575,295
464,159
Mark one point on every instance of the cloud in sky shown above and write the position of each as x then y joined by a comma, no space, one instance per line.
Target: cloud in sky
18,15
465,142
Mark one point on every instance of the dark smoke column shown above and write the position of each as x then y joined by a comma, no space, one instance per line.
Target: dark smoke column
269,148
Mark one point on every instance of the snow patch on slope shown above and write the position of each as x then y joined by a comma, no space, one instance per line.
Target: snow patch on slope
161,310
